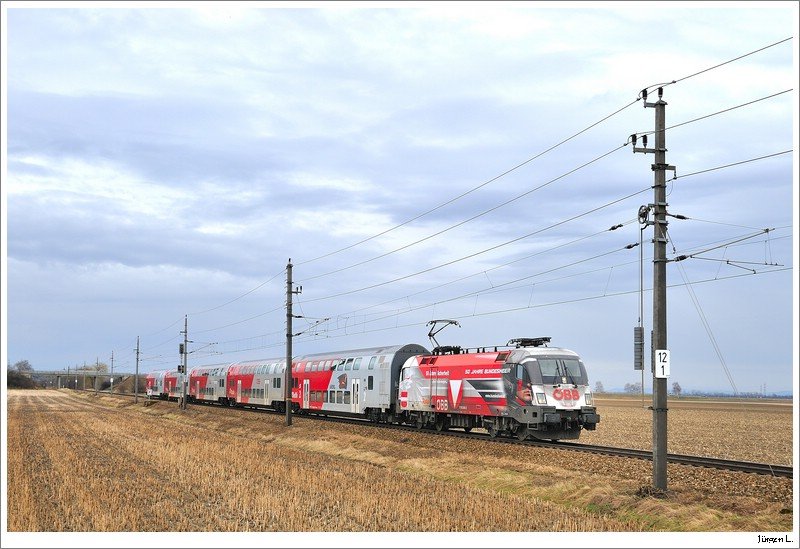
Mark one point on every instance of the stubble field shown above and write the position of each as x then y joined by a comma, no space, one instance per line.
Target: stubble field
79,462
747,430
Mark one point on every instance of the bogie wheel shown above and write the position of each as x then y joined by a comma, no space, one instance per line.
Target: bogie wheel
493,432
522,433
420,422
467,429
441,424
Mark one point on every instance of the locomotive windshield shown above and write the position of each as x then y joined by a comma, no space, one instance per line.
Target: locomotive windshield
553,371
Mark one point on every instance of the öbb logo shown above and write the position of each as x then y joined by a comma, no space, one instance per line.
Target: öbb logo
566,394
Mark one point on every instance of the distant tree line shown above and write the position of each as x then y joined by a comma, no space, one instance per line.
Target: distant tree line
19,376
677,391
633,388
747,394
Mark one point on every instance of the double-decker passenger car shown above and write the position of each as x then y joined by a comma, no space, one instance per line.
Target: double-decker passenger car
257,383
154,384
173,384
358,382
207,383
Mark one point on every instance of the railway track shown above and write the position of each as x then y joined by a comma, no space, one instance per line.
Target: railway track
631,453
696,461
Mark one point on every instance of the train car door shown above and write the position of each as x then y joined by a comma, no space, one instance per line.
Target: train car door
238,390
197,390
355,396
305,393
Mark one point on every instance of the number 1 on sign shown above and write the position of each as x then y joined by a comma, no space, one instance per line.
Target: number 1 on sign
662,363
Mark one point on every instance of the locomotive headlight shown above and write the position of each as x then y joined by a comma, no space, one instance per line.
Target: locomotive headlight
588,397
541,398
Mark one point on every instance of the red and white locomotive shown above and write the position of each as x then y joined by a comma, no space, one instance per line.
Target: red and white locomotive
528,390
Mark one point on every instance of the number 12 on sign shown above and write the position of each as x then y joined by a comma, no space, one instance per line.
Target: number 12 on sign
662,363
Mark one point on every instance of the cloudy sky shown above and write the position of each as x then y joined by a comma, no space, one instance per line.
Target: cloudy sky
415,162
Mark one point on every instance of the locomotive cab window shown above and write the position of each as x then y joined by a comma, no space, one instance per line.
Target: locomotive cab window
575,372
556,371
549,370
527,374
